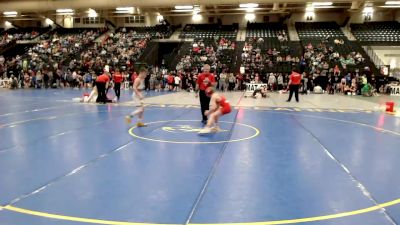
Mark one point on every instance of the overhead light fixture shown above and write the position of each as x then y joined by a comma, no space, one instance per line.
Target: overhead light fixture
322,3
183,10
125,8
392,3
65,10
368,10
92,13
183,7
250,16
160,18
196,17
10,13
248,5
390,6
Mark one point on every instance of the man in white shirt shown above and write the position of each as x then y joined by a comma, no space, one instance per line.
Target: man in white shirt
271,81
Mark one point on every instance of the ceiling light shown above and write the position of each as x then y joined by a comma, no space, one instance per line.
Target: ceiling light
183,7
390,6
368,10
92,13
183,10
124,8
250,16
392,3
11,13
196,17
65,10
322,3
160,18
248,5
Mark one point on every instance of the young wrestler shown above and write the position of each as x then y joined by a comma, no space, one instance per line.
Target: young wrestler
218,106
138,87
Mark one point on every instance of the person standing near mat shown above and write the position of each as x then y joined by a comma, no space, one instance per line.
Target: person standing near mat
294,84
204,80
101,84
138,87
117,77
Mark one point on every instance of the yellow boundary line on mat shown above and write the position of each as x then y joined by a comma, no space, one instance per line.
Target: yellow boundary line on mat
257,132
289,221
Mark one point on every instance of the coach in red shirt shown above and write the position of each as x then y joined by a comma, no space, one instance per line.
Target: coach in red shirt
117,78
294,84
205,80
101,84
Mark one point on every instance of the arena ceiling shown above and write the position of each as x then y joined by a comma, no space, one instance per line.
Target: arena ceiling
30,9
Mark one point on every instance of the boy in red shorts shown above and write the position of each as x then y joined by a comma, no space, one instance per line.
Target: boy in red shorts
218,106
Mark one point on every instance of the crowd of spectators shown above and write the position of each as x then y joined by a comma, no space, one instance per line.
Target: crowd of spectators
208,51
324,67
44,64
13,34
75,60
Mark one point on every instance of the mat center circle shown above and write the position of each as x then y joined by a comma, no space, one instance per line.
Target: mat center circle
186,132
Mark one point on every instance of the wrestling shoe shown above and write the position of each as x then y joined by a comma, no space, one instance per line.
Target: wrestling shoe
215,129
206,130
141,124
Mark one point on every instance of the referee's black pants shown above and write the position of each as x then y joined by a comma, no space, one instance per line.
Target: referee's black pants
204,103
294,88
101,89
117,89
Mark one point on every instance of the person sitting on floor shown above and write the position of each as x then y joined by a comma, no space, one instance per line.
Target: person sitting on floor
262,91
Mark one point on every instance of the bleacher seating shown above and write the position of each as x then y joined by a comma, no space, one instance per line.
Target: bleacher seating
219,54
27,33
377,32
265,38
158,31
205,31
63,44
265,30
115,50
332,37
11,36
318,30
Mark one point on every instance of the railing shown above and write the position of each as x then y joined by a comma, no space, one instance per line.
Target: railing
373,56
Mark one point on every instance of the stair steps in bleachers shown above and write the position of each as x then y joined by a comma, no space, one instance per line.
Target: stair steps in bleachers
293,36
348,33
241,36
175,35
105,35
